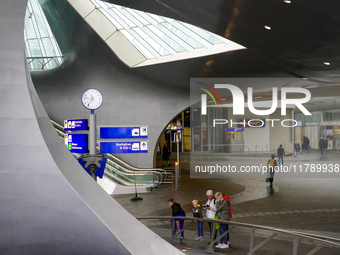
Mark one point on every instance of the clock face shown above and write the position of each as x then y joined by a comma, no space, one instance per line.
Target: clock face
92,99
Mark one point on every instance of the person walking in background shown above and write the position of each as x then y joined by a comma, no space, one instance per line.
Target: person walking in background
325,144
297,148
307,144
197,213
166,153
210,207
280,154
321,145
177,210
222,213
271,169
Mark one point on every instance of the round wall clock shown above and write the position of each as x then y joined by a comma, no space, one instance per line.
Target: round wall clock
92,99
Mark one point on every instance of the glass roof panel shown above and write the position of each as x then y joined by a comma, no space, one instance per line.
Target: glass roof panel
42,50
164,35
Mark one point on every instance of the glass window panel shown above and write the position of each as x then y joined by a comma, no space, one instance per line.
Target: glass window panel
213,39
182,35
137,16
157,18
39,40
34,47
39,19
126,20
49,50
30,32
166,39
151,42
138,45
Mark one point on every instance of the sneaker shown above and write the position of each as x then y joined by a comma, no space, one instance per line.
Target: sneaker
224,246
182,239
197,238
201,238
169,165
219,245
162,164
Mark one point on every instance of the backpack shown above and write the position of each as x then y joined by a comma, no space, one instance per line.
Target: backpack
213,200
271,163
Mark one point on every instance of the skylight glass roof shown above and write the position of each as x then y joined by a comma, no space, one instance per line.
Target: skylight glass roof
42,50
156,36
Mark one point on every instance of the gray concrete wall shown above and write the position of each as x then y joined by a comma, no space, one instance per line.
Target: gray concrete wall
48,203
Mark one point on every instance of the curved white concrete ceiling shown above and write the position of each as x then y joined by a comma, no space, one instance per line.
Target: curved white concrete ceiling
140,39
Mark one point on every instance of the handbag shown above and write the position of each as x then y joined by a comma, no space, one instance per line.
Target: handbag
267,179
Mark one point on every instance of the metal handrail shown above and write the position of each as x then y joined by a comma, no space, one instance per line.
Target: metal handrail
229,145
43,63
320,240
284,146
256,148
268,145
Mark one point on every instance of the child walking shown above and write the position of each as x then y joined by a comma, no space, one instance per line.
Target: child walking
197,212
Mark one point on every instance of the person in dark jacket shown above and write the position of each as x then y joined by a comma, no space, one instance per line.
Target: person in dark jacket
307,142
280,154
297,148
325,144
166,153
177,210
222,213
321,145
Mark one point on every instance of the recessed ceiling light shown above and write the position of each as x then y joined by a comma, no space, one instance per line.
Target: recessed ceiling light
257,97
287,1
267,27
304,78
327,63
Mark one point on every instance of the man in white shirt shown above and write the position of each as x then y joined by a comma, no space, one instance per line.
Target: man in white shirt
210,207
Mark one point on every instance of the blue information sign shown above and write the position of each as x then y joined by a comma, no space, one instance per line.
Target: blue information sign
75,125
77,143
123,132
123,147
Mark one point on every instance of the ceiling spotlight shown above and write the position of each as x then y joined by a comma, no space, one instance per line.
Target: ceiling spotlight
267,27
327,63
304,78
287,1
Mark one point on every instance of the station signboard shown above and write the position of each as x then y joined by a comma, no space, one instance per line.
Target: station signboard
124,147
123,132
77,143
76,125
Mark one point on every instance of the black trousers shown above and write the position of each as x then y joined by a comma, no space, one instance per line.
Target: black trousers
212,235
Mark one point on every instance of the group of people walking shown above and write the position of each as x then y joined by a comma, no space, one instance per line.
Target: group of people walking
323,144
216,207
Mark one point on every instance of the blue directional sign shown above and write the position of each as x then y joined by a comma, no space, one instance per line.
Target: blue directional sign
77,143
123,132
76,125
123,147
